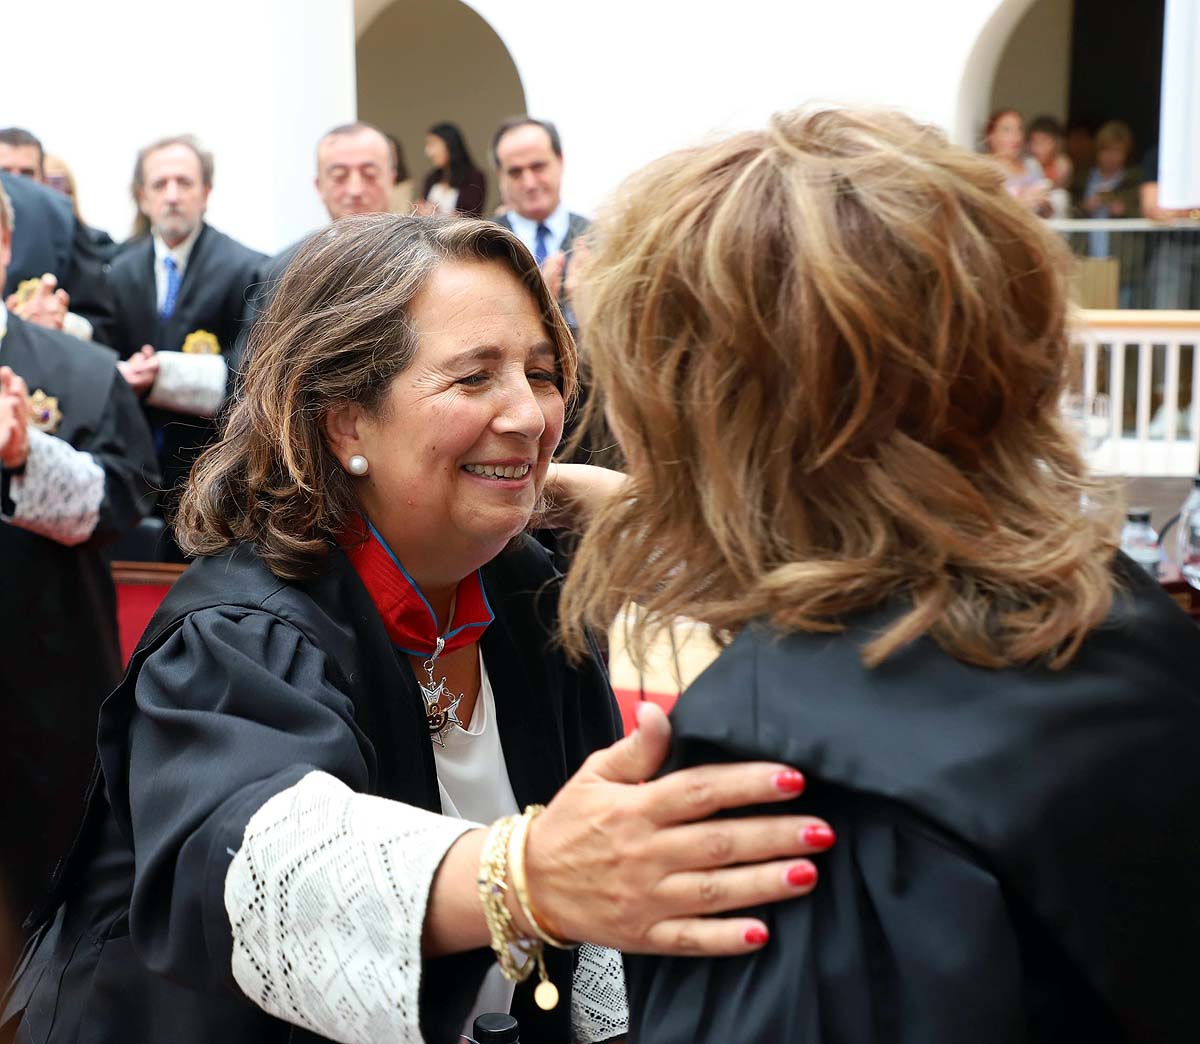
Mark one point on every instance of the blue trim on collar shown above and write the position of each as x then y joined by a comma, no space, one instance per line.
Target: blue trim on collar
425,601
412,583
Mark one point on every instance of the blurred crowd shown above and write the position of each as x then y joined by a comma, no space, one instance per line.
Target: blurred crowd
1077,171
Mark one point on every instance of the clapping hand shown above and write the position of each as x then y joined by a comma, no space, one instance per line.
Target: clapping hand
15,415
552,272
141,369
46,305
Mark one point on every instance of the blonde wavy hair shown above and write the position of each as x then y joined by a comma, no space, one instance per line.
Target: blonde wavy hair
833,352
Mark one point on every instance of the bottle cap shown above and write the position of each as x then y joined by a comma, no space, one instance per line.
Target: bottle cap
496,1027
1138,514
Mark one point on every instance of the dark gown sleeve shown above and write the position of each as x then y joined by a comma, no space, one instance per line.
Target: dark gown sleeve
91,296
906,939
123,447
234,708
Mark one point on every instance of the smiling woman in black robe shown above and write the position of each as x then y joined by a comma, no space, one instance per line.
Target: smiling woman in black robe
283,843
833,351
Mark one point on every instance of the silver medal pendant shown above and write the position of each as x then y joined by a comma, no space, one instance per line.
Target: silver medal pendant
439,719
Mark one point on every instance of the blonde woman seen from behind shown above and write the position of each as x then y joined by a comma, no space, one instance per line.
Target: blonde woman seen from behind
833,352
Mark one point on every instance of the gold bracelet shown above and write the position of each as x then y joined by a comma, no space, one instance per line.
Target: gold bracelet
516,862
493,887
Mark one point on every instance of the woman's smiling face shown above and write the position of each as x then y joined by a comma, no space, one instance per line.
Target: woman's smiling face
458,454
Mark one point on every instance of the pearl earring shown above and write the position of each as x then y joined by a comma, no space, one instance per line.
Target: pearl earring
357,465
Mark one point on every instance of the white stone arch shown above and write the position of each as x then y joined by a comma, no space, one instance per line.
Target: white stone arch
979,71
419,62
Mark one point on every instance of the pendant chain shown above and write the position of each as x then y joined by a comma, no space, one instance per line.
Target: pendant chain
439,719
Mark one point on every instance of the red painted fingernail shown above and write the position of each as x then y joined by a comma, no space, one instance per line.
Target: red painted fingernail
802,875
790,782
756,936
819,836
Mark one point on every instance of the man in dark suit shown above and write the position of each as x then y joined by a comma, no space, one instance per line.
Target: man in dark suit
49,240
76,467
181,301
529,166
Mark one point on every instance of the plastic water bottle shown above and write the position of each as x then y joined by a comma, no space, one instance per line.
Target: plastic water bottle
1187,540
1140,542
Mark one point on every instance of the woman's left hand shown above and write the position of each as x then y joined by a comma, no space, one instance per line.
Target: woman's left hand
574,491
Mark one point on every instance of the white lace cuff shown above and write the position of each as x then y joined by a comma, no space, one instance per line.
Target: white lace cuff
77,326
599,1010
326,899
60,493
189,383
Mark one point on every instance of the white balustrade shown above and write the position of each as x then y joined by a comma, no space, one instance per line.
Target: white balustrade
1140,370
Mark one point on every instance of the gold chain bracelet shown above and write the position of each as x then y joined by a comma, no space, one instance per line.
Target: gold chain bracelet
493,889
516,862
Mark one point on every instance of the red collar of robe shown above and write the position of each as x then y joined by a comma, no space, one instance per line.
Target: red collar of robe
406,613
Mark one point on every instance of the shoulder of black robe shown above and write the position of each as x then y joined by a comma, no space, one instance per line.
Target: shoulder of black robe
130,282
85,282
577,225
1018,853
276,679
217,294
43,231
258,298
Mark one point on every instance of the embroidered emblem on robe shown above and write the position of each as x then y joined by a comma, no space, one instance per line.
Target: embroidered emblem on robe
201,342
27,290
46,414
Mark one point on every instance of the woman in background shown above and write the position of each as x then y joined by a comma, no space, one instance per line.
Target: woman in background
455,185
833,352
1046,146
1004,141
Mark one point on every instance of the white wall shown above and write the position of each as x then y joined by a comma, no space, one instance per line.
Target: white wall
258,80
629,79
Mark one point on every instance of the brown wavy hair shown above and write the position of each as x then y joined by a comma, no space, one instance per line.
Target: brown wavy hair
336,332
833,352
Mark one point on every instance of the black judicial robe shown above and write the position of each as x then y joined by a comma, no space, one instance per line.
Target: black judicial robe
1018,853
47,237
277,679
58,627
212,297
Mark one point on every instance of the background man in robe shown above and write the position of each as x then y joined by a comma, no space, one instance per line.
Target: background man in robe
181,302
52,245
76,470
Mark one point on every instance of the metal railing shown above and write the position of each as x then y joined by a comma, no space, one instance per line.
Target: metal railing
1135,393
1134,263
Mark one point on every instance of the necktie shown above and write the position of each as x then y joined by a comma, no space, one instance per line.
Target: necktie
173,281
539,245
